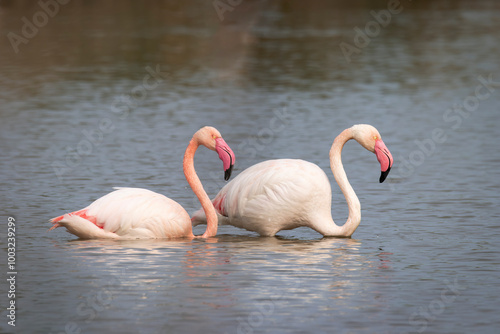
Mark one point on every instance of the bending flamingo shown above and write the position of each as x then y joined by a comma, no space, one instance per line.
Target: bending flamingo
284,194
140,213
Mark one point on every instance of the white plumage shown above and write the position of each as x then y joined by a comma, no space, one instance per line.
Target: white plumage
273,195
130,213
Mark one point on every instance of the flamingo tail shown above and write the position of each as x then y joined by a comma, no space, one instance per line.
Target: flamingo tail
81,225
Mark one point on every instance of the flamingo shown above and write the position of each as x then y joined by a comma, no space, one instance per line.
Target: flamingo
284,194
133,213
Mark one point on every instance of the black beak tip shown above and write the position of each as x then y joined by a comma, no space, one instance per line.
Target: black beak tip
384,175
227,172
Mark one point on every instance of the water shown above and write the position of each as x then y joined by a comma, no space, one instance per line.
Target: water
109,94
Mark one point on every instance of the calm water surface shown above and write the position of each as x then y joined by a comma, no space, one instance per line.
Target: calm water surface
109,94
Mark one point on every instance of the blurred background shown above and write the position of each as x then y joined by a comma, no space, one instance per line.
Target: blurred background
97,94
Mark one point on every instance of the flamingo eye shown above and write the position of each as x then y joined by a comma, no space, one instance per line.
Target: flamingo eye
375,137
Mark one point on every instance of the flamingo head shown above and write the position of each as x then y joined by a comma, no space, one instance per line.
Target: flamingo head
212,139
370,138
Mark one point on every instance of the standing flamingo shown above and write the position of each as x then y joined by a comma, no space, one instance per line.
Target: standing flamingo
283,194
130,213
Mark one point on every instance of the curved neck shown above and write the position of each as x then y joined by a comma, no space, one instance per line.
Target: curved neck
197,187
340,176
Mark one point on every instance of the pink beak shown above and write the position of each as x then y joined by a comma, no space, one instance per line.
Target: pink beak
384,157
226,155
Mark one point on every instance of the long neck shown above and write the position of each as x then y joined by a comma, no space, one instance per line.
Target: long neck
195,183
340,176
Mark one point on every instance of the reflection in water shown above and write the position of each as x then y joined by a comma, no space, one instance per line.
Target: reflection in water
290,264
215,272
230,272
385,259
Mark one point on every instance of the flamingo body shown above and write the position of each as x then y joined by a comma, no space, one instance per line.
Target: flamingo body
128,213
273,195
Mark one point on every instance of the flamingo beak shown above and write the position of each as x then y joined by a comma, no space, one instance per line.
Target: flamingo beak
384,157
227,173
226,155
